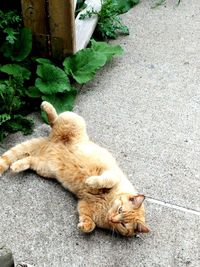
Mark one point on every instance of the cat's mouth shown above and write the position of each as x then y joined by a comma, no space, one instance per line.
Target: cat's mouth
113,221
120,228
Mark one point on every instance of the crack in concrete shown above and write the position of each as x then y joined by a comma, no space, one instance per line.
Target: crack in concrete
173,206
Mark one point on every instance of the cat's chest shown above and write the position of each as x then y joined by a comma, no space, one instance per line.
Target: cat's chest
95,155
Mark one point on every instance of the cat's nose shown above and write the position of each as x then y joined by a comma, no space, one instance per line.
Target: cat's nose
111,219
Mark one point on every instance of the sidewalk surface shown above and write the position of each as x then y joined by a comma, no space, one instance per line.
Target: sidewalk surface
145,108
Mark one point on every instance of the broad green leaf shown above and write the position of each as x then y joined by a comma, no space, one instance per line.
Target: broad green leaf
107,50
33,92
4,117
23,45
84,64
61,102
44,61
21,48
16,70
52,79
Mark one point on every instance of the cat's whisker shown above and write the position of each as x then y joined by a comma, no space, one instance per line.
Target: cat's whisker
140,237
113,232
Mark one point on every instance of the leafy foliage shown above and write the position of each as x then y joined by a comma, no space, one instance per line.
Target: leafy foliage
21,48
52,79
106,50
12,102
3,118
109,23
16,45
16,70
20,123
9,23
53,83
84,64
21,92
63,101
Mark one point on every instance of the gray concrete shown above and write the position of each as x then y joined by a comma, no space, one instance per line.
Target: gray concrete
145,108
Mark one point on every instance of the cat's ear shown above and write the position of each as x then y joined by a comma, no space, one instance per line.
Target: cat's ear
141,228
137,200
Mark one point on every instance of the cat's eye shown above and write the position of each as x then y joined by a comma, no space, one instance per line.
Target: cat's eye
120,210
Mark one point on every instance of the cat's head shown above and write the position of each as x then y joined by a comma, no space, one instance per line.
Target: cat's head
126,216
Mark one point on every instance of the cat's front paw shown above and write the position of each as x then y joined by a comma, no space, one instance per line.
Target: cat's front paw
86,226
99,182
93,182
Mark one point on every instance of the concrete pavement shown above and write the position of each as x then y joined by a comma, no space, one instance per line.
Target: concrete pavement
145,108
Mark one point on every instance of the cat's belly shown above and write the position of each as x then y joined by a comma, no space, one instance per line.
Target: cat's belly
72,165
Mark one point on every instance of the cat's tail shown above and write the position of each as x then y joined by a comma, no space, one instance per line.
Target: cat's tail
67,127
20,151
50,111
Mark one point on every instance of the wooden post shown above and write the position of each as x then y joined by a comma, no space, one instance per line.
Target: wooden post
62,27
34,17
56,32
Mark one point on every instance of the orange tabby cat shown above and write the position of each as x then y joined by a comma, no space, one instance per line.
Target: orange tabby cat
106,198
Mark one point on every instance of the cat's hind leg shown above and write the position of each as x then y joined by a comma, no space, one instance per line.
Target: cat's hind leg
21,165
34,163
20,151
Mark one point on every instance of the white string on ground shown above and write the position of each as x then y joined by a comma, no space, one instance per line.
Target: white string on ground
172,206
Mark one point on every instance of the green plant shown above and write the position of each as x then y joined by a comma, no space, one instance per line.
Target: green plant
9,23
53,83
16,45
26,81
110,25
16,42
13,100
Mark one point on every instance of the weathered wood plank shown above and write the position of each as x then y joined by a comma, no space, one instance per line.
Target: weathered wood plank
85,28
62,27
34,15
